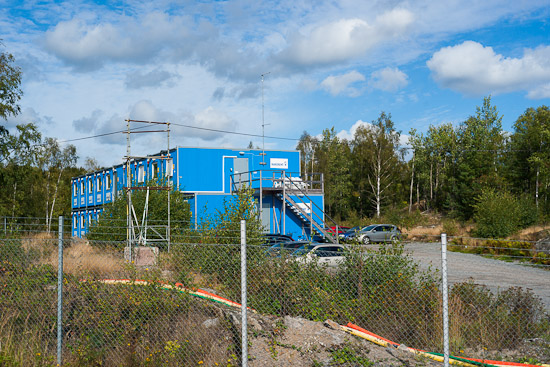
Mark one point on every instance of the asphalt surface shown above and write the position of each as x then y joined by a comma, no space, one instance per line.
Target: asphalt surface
495,274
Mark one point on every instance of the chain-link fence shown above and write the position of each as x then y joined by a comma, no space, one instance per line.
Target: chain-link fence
182,307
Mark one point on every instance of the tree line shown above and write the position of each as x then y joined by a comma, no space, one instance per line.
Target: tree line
452,170
35,172
447,169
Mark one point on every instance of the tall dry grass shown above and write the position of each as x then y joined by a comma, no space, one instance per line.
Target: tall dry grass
79,257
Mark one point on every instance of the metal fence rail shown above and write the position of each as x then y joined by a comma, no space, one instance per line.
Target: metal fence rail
183,307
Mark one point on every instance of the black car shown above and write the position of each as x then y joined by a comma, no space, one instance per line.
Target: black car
271,239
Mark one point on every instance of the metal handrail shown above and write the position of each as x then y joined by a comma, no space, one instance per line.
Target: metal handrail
282,177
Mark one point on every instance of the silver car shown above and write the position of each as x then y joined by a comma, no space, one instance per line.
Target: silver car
379,233
326,254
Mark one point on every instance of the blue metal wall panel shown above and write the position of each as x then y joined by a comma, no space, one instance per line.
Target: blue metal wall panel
204,172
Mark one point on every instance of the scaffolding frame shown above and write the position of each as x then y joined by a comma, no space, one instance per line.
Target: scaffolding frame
134,240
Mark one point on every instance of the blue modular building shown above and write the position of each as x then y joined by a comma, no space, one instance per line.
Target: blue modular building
287,201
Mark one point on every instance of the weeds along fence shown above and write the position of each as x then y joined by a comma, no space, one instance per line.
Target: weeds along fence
174,309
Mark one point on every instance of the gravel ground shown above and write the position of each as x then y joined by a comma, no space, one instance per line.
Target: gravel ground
495,274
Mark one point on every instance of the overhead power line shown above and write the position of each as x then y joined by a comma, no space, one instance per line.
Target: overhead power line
233,132
181,125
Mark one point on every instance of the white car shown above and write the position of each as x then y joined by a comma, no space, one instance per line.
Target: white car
329,254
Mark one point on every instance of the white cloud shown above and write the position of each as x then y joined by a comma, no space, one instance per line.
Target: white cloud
88,46
153,78
345,39
341,84
88,124
210,118
540,92
389,79
28,115
348,134
473,69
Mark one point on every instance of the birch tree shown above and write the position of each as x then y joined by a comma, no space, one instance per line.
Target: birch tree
378,147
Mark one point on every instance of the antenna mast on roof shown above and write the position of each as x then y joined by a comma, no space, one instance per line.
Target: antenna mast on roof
263,121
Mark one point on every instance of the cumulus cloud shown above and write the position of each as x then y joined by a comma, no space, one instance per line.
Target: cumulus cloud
474,69
349,134
345,39
388,79
28,115
154,78
341,84
88,46
88,124
182,127
211,118
218,94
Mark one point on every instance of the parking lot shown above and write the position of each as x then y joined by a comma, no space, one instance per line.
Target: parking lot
495,274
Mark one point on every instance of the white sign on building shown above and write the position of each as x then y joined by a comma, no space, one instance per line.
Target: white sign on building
278,163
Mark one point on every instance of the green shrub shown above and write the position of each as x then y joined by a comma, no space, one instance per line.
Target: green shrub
497,214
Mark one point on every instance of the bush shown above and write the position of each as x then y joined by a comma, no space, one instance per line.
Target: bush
111,225
498,214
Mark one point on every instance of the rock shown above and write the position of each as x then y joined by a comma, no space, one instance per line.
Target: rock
331,324
211,323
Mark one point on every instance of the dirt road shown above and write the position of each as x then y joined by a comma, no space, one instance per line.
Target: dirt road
495,274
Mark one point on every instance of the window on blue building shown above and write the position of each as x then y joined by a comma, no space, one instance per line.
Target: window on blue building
108,182
141,174
99,183
90,186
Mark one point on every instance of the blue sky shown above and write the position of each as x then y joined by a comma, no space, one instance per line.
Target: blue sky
88,66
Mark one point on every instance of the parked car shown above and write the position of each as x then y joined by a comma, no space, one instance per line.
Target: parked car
288,247
332,230
271,239
350,233
379,233
329,254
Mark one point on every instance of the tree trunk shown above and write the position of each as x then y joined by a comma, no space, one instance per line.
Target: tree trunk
48,201
412,185
537,188
431,182
378,173
14,197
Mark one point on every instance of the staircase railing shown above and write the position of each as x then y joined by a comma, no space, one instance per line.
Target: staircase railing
284,180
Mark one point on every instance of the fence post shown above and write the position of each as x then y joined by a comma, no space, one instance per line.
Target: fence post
244,332
60,293
445,299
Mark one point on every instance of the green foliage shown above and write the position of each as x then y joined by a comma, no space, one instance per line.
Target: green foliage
349,356
10,82
224,226
111,225
500,214
493,320
505,250
377,163
104,324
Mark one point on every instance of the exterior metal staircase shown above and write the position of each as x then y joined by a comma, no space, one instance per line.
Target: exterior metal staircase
316,222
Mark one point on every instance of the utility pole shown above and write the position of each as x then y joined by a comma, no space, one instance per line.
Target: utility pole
263,163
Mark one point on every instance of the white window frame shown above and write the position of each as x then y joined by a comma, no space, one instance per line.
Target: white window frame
141,174
154,170
108,182
169,168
